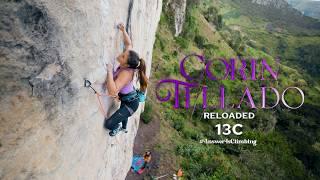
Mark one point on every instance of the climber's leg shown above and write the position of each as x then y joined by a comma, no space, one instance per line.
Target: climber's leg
124,123
113,122
132,107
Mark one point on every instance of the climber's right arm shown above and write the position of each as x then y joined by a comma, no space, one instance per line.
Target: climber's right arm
111,85
126,38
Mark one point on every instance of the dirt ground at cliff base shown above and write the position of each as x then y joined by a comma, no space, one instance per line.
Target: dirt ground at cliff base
149,138
146,141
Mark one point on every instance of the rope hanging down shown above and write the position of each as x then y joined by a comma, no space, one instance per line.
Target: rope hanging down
87,84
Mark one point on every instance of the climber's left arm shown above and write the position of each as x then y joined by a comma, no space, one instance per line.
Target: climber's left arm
126,38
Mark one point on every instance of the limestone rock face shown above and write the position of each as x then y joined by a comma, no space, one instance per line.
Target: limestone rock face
51,126
178,7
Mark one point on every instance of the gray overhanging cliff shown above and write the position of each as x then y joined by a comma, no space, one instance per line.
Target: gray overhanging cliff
51,126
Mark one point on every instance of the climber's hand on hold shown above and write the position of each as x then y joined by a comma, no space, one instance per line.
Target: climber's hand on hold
121,27
109,67
126,38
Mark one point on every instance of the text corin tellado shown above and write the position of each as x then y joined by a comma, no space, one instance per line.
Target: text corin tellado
230,70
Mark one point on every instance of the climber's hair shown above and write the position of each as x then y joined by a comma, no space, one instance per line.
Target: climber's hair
138,63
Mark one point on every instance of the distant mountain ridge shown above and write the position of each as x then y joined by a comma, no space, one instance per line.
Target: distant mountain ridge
307,7
279,13
274,3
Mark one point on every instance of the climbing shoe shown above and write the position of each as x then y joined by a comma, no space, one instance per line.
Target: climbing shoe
115,131
124,130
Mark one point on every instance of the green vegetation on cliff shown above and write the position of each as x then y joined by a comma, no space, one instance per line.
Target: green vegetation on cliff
288,140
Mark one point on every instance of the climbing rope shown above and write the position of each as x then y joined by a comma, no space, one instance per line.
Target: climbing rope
87,84
159,177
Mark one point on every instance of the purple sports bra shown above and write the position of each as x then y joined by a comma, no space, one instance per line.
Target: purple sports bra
128,87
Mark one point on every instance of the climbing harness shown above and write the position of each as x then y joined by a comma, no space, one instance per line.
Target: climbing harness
141,96
136,94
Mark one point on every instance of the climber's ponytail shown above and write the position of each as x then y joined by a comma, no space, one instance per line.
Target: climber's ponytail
138,63
142,75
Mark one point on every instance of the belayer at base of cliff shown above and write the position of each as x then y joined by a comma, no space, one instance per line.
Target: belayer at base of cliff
120,85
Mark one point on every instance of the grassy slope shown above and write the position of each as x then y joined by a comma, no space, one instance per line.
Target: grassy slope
276,156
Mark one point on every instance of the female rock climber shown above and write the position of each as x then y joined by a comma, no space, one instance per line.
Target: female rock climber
120,84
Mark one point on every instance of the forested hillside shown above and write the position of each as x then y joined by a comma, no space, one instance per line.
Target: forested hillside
288,140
